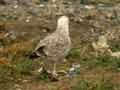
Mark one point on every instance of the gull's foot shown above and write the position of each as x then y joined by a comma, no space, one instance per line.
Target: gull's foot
53,76
54,73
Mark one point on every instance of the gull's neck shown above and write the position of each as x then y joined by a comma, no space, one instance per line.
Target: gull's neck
63,29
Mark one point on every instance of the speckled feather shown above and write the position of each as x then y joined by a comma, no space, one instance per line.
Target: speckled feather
57,45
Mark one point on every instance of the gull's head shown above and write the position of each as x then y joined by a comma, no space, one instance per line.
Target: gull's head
63,21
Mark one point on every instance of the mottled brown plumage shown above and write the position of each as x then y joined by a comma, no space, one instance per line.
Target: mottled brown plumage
57,45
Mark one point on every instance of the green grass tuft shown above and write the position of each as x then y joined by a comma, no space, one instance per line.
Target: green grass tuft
74,53
103,84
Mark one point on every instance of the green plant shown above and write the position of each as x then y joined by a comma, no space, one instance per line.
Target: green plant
24,66
105,61
81,85
115,48
43,76
74,53
102,84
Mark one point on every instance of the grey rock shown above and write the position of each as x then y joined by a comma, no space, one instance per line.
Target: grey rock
74,70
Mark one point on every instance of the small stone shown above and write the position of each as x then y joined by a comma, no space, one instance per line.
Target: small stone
115,54
18,89
44,30
71,69
41,5
16,6
101,44
89,7
24,81
17,86
74,70
27,20
40,70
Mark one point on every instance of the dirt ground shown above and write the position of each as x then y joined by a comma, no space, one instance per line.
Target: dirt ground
100,72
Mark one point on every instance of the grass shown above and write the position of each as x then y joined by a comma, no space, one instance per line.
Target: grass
74,53
22,67
106,61
102,84
116,48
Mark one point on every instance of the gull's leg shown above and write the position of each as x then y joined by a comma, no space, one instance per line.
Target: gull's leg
53,75
54,69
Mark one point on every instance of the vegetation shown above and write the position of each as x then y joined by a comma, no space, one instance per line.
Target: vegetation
29,25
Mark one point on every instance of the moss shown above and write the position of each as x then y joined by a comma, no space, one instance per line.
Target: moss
24,67
107,62
74,53
115,48
102,84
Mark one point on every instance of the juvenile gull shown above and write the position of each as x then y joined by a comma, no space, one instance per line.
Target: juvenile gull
101,45
55,46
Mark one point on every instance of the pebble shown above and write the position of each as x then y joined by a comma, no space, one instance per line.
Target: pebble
74,70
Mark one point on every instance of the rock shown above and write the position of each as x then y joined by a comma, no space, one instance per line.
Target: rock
17,85
16,6
89,7
25,81
41,5
114,54
101,45
44,30
4,60
11,34
74,70
40,70
18,89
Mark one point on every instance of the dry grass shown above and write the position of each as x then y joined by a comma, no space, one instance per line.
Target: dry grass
96,73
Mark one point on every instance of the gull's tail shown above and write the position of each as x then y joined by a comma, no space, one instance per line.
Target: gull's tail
33,55
36,54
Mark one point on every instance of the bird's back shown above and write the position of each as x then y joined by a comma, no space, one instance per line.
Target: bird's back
58,44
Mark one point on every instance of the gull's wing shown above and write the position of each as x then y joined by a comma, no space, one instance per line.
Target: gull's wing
39,49
43,43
